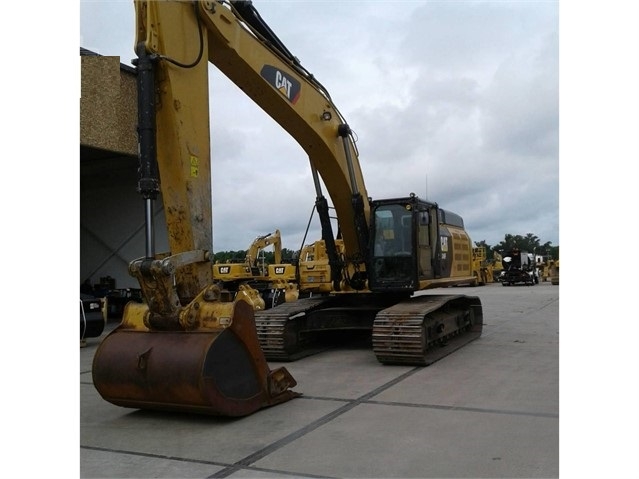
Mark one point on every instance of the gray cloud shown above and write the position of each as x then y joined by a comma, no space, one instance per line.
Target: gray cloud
457,101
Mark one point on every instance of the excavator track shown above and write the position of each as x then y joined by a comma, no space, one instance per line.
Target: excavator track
416,331
424,329
279,332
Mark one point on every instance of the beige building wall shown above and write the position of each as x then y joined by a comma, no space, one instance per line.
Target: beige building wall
112,228
108,105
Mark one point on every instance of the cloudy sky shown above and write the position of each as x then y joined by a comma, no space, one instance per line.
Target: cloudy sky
457,102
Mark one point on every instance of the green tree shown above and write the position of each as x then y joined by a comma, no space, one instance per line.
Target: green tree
529,243
517,241
547,249
240,255
229,256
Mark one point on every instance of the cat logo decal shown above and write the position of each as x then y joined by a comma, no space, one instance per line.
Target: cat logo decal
283,82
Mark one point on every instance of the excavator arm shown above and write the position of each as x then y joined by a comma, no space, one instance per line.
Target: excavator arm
262,242
189,346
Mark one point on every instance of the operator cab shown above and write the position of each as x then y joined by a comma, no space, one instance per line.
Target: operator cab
403,231
412,240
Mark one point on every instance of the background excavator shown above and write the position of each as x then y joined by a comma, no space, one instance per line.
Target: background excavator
274,283
250,267
192,346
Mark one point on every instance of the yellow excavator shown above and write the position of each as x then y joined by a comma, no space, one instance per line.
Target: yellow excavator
250,268
191,346
274,283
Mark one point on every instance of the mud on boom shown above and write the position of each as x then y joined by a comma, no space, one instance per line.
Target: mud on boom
192,346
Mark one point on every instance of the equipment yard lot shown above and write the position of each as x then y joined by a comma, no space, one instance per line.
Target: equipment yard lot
490,409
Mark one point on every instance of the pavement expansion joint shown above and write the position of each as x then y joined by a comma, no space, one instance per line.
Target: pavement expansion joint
256,456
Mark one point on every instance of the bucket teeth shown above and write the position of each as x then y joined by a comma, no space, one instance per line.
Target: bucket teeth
279,380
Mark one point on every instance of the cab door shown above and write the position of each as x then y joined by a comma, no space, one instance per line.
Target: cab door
393,262
424,244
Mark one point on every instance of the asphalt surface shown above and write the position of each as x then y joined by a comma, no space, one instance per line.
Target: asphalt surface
490,409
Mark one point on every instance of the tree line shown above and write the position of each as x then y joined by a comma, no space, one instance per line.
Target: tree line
239,256
529,243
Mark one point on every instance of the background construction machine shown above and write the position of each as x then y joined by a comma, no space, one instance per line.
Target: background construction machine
314,269
549,270
274,283
553,272
519,268
193,346
483,269
498,265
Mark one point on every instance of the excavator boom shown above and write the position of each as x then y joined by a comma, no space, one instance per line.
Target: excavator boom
262,242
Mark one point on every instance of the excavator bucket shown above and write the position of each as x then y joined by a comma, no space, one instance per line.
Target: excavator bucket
217,371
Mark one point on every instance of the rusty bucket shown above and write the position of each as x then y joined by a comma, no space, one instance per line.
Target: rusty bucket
217,371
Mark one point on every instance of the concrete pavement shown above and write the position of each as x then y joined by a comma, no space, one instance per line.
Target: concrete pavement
490,409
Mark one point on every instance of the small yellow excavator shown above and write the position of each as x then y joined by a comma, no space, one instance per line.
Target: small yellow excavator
273,283
250,268
194,346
